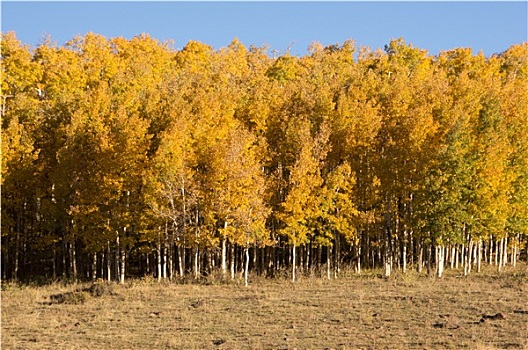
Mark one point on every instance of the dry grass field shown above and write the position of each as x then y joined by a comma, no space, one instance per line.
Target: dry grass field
483,311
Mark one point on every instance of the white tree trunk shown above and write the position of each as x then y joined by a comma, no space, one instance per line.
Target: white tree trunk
232,261
301,258
159,261
164,261
440,251
469,255
116,260
498,245
108,263
419,266
73,260
122,265
196,263
181,258
453,256
328,262
388,256
505,251
246,267
500,255
465,259
224,255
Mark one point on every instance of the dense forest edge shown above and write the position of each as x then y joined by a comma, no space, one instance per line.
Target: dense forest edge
129,158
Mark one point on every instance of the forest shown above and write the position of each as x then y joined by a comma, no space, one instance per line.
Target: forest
128,157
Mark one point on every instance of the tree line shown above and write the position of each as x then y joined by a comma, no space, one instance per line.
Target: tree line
126,157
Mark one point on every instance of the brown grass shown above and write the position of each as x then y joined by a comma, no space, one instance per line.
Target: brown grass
368,312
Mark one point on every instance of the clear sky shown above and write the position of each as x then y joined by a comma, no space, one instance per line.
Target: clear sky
488,26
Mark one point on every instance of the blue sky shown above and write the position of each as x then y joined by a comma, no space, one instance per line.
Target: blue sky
488,26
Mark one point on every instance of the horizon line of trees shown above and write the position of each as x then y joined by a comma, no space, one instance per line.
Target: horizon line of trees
127,157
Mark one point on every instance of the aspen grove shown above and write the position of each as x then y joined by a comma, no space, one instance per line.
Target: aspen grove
127,157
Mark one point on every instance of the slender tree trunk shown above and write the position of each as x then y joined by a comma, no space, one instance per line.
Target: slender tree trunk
272,258
224,254
165,252
246,265
17,250
279,255
463,258
73,258
358,259
337,267
232,261
411,247
164,261
429,258
94,267
184,258
120,260
108,262
420,256
469,252
102,264
65,252
484,251
388,260
404,253
122,265
500,254
490,253
116,260
367,249
254,258
453,257
505,252
147,263
309,257
196,267
54,264
224,251
469,255
328,261
241,261
319,259
496,252
388,241
293,263
181,260
457,257
440,251
479,255
159,263
301,259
